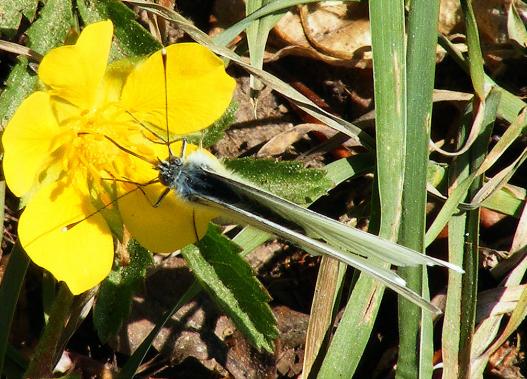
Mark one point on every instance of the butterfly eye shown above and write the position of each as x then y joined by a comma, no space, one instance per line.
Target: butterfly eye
176,161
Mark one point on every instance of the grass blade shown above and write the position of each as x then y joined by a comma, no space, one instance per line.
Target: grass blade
463,242
325,302
10,287
422,28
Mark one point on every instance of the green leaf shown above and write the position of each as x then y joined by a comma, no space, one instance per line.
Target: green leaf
289,180
131,39
115,295
11,12
231,283
48,31
216,131
52,26
19,84
515,26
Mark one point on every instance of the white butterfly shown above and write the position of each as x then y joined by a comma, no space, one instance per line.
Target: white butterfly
201,179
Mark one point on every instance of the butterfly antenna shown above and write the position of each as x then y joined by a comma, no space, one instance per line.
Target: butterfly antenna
164,59
129,151
139,187
159,136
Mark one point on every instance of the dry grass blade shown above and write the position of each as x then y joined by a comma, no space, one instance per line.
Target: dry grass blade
20,50
498,301
474,133
322,311
279,143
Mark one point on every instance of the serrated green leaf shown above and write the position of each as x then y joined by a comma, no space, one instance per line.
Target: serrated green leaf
52,26
231,283
19,84
131,39
289,180
115,295
48,31
11,12
216,131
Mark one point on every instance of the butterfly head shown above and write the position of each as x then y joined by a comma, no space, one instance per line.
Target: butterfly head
169,170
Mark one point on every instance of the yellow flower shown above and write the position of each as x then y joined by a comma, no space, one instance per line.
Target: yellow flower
198,91
56,151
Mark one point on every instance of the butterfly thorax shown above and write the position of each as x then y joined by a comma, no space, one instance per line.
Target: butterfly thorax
169,171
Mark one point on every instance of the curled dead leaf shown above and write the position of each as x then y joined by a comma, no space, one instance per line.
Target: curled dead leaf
280,142
338,33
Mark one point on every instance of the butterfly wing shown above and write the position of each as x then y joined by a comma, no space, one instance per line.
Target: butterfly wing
318,226
214,187
383,275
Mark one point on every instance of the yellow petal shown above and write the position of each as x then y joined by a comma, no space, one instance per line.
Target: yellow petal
74,73
167,228
81,256
198,89
29,140
114,79
172,225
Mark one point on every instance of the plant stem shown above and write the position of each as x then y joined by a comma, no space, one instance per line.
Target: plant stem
46,354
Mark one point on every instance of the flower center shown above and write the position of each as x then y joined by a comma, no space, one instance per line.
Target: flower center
91,152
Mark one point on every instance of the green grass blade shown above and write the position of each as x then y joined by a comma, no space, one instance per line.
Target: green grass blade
257,33
413,323
10,287
390,84
389,56
475,58
463,230
353,332
510,104
230,33
389,70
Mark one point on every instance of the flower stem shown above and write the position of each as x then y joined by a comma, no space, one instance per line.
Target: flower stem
46,355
